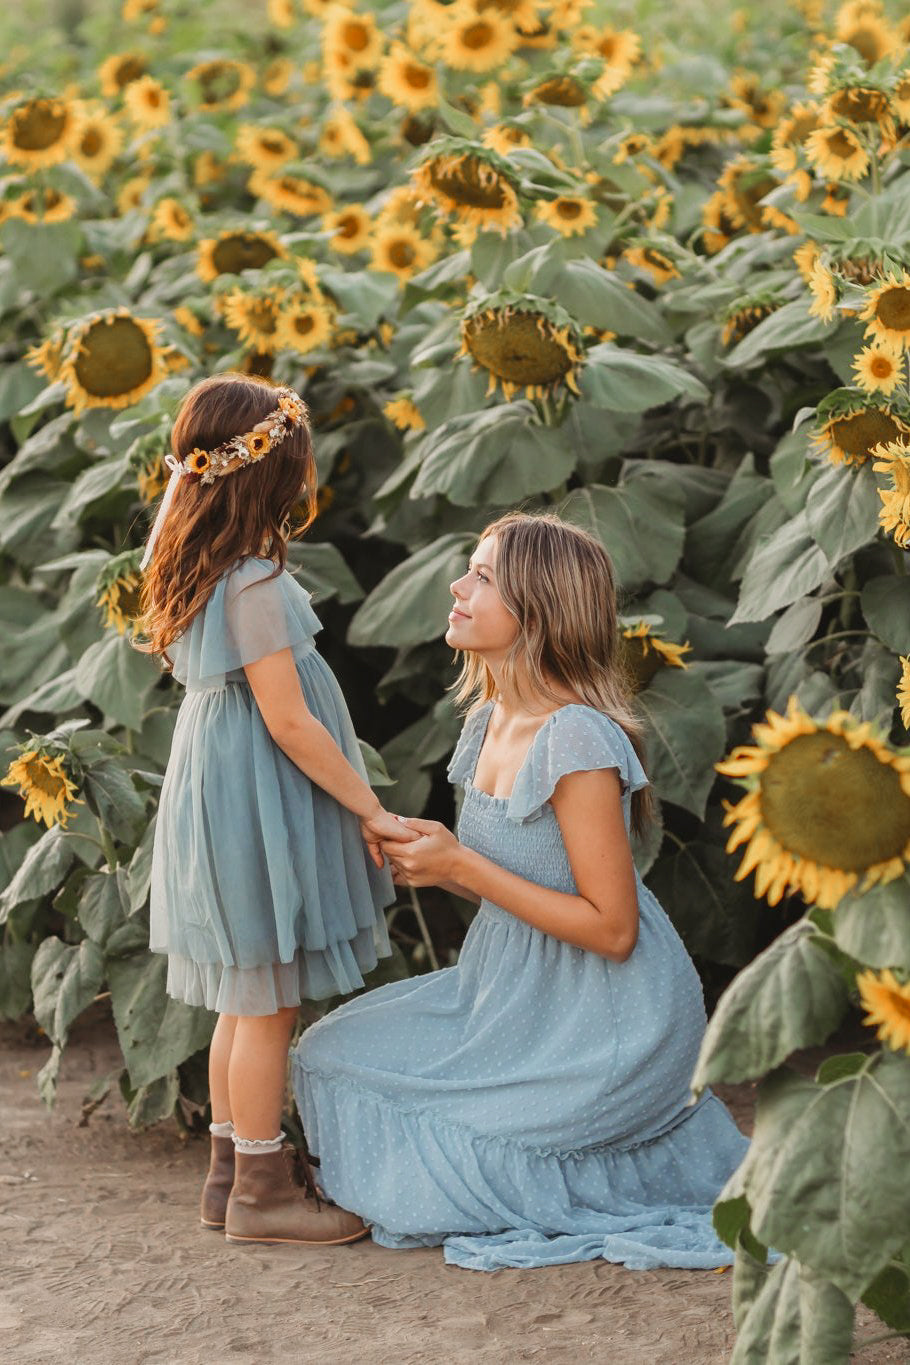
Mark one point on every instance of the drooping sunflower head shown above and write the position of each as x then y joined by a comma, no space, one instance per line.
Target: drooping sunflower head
760,105
903,691
744,182
221,84
850,424
152,478
47,356
524,343
469,183
827,807
291,194
644,651
265,149
789,138
562,89
234,251
46,777
893,460
40,132
112,359
887,310
119,588
824,291
719,228
745,313
656,263
864,103
866,33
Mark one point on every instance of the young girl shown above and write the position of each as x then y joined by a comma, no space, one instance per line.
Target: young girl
262,891
531,1105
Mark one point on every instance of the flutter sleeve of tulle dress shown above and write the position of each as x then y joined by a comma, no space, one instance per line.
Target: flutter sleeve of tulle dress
574,739
249,615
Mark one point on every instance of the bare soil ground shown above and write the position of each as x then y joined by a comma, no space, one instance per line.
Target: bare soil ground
104,1260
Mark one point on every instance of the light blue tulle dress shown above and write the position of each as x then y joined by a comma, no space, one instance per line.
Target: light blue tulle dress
530,1105
263,892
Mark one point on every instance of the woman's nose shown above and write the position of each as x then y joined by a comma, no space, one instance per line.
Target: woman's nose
454,588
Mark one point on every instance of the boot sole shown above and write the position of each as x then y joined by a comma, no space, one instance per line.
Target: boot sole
214,1227
299,1241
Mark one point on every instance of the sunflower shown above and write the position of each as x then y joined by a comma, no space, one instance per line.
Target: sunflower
503,138
856,427
351,36
900,97
743,317
762,107
569,214
234,251
402,251
859,104
208,169
43,780
131,193
277,76
894,459
40,133
804,258
887,311
47,356
824,292
98,142
117,71
401,205
619,48
404,413
867,35
474,187
745,183
112,360
222,84
524,13
291,194
836,152
478,42
341,136
565,91
522,343
658,266
644,652
147,103
265,149
45,205
827,804
350,228
137,9
171,221
631,146
719,228
280,13
407,81
254,318
836,200
903,691
152,479
304,325
879,369
887,1004
120,588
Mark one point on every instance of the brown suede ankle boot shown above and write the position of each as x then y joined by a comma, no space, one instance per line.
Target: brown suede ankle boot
275,1199
218,1184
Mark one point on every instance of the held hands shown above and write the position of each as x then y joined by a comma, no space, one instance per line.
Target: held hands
381,826
427,858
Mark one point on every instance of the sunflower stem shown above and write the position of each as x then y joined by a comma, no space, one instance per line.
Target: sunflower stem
107,845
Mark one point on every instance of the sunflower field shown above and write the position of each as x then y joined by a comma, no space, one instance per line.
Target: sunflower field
652,270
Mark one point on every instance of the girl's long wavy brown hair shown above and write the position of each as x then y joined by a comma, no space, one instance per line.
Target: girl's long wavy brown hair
558,583
210,526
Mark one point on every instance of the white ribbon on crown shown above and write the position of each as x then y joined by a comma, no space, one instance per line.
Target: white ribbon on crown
177,472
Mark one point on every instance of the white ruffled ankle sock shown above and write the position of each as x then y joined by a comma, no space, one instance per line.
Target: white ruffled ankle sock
225,1129
258,1146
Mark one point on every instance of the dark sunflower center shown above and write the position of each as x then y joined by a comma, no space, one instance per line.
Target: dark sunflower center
130,69
520,349
92,142
859,104
893,309
802,127
477,36
402,254
867,42
858,433
568,208
218,81
261,316
40,778
638,664
272,145
238,252
355,36
39,125
470,182
417,77
114,358
862,269
128,599
304,323
841,144
562,90
348,226
881,366
839,807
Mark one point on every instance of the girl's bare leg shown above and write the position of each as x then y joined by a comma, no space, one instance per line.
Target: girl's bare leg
257,1071
219,1058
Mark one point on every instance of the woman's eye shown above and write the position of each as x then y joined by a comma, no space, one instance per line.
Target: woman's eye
483,578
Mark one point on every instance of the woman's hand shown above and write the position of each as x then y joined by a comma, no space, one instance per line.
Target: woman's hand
383,827
427,861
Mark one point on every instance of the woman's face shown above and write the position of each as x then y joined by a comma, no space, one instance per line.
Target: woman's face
480,620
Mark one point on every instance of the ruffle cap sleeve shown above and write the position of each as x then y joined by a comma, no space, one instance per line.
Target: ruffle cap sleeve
466,752
574,739
248,616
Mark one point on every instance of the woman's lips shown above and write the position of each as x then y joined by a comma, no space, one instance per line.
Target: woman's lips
456,615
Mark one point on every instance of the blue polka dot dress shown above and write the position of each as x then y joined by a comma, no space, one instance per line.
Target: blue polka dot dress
262,893
530,1105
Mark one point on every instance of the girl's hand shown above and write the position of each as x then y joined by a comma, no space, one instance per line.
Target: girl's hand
427,861
384,826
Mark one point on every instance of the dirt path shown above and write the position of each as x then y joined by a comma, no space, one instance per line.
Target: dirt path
103,1260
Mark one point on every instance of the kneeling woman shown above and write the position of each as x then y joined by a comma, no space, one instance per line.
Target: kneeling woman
531,1105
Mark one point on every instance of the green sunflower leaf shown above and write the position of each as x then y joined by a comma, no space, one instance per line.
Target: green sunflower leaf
412,603
874,926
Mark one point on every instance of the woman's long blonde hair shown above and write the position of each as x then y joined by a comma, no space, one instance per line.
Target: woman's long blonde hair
558,583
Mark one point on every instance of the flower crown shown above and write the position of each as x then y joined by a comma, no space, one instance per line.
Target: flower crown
248,448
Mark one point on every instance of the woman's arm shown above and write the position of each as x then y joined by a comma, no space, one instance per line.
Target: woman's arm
602,917
278,694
